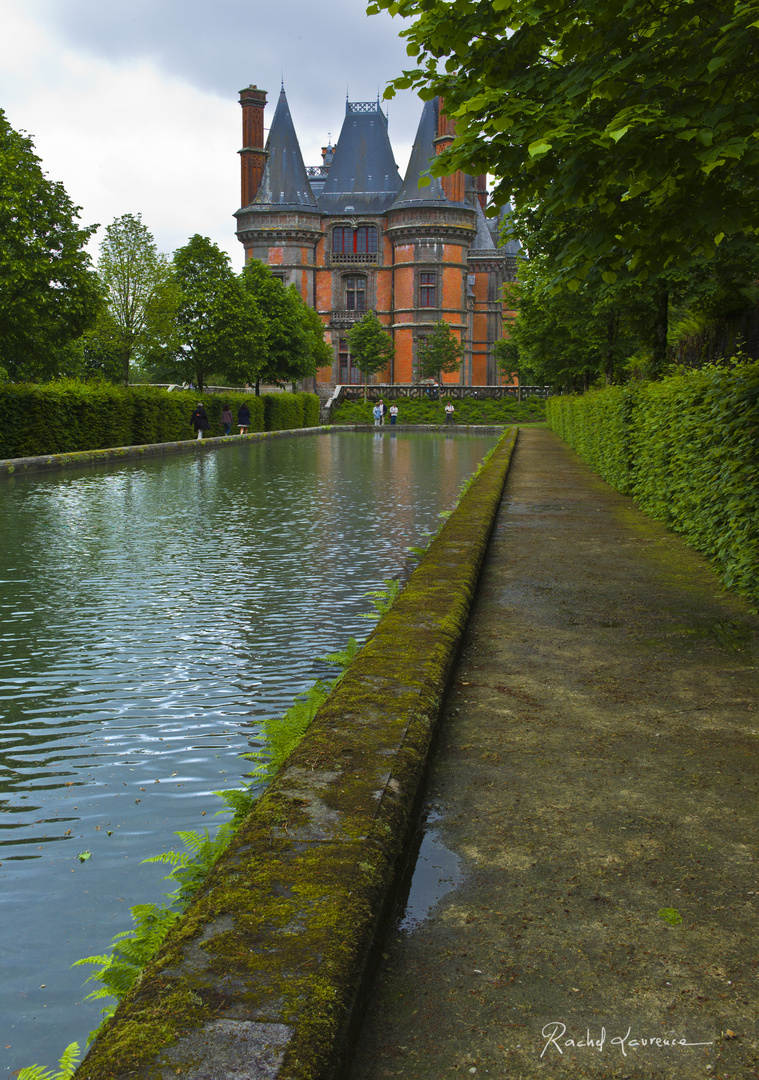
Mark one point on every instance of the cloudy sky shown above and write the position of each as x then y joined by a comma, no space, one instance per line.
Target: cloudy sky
134,105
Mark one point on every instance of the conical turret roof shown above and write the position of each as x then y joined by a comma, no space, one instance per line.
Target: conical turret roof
413,193
284,184
363,177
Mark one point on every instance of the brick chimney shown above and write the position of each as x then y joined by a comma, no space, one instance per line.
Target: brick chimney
252,156
453,185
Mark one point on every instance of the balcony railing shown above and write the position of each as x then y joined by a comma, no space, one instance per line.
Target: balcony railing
368,258
346,318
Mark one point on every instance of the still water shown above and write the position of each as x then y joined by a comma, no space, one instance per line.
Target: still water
151,616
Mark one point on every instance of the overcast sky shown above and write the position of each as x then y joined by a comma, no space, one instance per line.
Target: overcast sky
134,106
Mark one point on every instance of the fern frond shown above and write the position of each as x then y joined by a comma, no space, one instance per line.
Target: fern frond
68,1063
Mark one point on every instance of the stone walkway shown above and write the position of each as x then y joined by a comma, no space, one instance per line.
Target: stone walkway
596,782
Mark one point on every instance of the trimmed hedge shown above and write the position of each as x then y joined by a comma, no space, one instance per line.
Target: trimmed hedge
68,416
687,450
468,411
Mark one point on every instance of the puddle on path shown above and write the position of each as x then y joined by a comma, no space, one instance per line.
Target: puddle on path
436,872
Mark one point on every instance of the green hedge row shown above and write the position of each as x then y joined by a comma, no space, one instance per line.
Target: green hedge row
67,416
468,411
687,450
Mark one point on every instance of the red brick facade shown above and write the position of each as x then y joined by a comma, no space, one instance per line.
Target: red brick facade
352,237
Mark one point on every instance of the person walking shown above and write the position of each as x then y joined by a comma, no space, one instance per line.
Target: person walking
200,421
243,419
226,420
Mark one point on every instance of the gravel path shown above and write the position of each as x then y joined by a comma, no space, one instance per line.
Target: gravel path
594,794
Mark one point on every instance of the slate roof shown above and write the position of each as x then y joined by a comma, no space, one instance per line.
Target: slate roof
423,151
284,184
363,177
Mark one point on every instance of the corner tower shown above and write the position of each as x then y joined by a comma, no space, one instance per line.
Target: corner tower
431,226
281,223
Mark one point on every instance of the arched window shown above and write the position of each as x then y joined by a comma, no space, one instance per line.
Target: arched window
361,240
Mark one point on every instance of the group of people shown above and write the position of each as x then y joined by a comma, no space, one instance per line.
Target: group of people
201,423
380,411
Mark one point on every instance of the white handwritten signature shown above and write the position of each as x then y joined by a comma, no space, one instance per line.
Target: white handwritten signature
553,1033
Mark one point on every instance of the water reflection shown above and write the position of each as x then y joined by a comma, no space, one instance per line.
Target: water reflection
150,617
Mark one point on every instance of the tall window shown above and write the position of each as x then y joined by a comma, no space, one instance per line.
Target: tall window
427,290
359,241
348,374
355,293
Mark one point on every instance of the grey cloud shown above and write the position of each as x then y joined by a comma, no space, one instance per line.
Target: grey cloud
320,49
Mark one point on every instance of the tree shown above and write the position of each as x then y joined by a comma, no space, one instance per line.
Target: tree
371,347
321,352
49,293
218,329
141,305
289,340
439,351
647,111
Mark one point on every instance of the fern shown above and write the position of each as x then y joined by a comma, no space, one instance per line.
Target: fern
383,599
283,733
68,1063
345,657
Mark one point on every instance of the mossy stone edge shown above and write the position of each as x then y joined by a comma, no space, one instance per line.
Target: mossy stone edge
264,974
55,462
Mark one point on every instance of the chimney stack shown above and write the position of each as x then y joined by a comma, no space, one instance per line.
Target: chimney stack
252,156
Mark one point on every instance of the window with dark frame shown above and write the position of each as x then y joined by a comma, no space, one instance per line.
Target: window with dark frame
359,241
355,293
427,290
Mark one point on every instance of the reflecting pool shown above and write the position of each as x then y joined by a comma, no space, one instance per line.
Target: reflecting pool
152,614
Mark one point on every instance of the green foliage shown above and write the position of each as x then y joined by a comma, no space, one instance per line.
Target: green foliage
139,320
686,449
133,949
286,411
292,337
283,733
440,351
49,293
383,599
468,411
670,915
218,331
68,1063
69,416
647,110
371,346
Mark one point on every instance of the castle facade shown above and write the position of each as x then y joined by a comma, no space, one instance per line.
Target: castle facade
353,236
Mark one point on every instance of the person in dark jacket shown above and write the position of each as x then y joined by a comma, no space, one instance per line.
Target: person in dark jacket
200,421
243,418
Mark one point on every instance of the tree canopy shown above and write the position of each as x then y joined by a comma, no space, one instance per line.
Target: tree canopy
439,351
647,111
214,322
370,345
139,320
49,294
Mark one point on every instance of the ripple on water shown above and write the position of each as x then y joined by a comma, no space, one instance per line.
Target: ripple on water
151,617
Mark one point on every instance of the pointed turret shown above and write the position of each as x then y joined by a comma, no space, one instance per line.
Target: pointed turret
284,184
363,177
429,140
